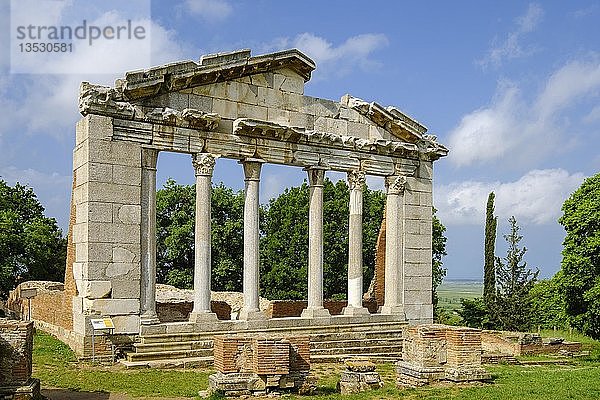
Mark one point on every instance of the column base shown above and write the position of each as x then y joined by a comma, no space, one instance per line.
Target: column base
392,310
252,315
350,310
149,318
203,316
315,312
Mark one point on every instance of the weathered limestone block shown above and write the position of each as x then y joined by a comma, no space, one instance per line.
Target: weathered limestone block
359,376
111,306
432,353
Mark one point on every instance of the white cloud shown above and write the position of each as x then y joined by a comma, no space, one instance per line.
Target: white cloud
512,47
48,103
528,131
211,10
535,198
52,189
355,50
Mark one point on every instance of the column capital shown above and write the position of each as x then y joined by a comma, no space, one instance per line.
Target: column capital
149,158
395,184
252,167
356,179
316,176
204,163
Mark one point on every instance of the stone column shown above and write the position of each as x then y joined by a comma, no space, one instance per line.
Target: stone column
251,309
148,236
356,182
315,307
394,246
204,164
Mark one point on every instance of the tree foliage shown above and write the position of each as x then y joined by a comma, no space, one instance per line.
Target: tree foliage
548,304
284,245
283,239
438,252
580,265
32,246
489,271
175,219
514,281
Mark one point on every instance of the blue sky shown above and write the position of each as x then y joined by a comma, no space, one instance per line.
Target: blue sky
512,88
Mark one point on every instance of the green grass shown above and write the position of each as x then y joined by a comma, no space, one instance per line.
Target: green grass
56,366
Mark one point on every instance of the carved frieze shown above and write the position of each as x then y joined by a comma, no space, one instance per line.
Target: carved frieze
189,117
103,100
257,128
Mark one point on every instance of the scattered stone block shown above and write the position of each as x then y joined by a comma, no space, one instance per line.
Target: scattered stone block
359,376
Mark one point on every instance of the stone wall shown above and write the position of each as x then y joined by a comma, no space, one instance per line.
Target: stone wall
180,311
293,308
106,233
16,347
51,304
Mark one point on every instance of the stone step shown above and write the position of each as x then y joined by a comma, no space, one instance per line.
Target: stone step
165,355
172,346
315,345
190,362
387,349
335,358
366,329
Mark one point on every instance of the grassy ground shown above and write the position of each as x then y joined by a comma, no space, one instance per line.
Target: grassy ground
55,366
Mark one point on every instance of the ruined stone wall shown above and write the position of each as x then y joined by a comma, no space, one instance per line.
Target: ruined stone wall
180,311
16,347
293,308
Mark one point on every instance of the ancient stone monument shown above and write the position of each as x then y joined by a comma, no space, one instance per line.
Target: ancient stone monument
434,352
251,109
260,365
16,347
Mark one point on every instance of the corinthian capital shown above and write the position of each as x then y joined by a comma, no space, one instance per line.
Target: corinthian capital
356,179
204,163
395,184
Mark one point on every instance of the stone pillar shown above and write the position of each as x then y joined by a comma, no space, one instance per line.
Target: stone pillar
204,164
315,307
394,246
356,182
148,236
251,309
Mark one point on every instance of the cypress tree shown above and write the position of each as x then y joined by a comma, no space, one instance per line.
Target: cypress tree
489,272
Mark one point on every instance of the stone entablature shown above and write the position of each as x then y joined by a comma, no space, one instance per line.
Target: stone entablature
252,109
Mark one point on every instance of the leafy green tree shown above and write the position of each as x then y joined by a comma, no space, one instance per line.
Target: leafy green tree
514,281
284,244
474,313
489,272
548,304
32,246
175,219
438,252
580,265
